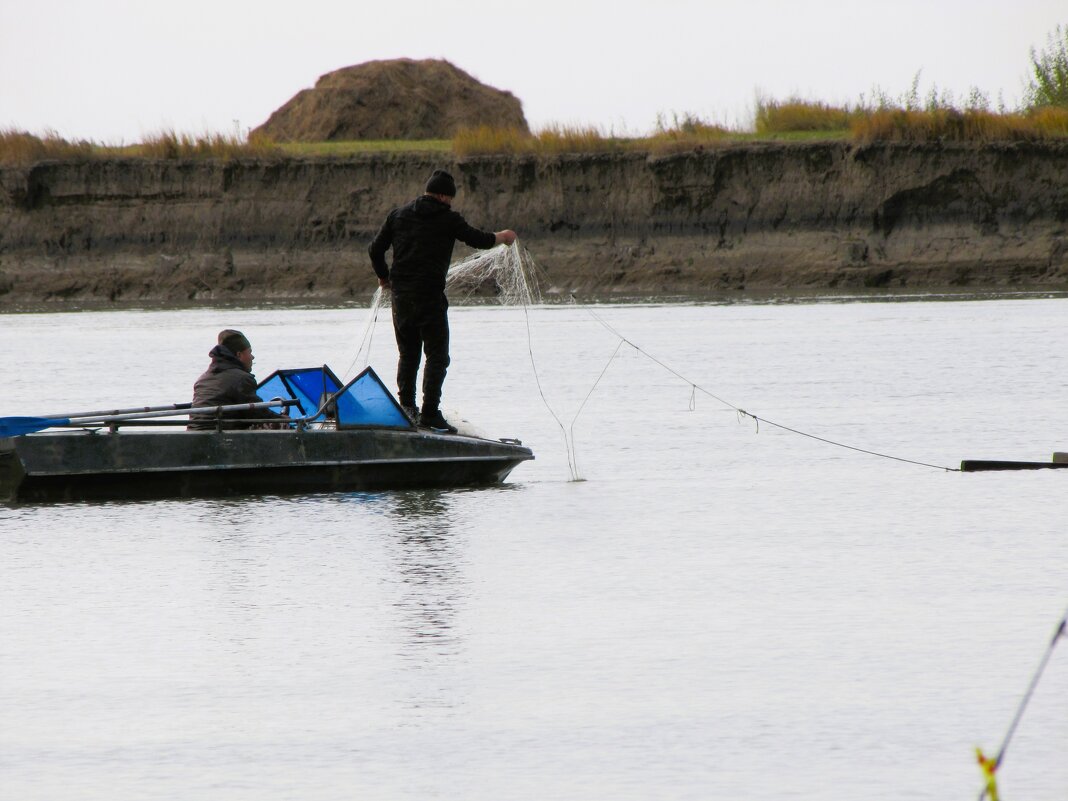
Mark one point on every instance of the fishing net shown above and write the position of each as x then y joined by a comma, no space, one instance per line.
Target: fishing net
506,272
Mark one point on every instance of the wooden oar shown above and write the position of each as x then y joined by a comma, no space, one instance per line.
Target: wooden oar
17,426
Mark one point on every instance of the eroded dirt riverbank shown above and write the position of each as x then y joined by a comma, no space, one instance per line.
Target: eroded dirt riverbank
726,223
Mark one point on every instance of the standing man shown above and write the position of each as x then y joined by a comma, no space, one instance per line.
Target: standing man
422,235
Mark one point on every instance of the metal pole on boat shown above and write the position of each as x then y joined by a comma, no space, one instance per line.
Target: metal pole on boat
237,407
108,412
17,426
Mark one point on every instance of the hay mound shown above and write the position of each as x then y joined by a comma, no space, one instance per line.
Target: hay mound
397,99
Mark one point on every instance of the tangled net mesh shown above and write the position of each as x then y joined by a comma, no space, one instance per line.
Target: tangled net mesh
508,272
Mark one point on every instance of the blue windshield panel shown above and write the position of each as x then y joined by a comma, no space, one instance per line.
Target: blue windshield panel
367,402
309,386
316,385
275,387
363,402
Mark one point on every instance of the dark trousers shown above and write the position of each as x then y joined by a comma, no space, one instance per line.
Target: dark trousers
421,324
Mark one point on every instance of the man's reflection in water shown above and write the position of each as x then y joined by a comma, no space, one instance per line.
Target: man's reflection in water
427,548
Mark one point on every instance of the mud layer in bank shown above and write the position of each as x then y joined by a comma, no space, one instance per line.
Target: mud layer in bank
716,223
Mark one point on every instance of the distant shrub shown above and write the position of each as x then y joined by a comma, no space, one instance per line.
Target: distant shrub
1049,72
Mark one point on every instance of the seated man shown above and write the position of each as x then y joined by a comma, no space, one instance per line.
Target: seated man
229,381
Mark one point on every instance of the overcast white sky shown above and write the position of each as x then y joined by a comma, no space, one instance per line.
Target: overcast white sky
116,70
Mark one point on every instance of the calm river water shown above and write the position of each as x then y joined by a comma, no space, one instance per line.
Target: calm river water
714,611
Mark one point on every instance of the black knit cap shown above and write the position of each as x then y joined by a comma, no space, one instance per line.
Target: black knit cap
441,183
234,340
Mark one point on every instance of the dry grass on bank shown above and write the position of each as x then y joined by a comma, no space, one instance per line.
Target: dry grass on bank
486,140
684,133
774,117
951,125
20,147
908,122
356,147
171,145
558,139
791,120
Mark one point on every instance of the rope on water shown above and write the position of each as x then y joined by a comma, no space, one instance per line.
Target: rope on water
571,466
574,456
743,413
1058,633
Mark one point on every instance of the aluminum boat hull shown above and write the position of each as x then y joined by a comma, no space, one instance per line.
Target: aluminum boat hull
81,465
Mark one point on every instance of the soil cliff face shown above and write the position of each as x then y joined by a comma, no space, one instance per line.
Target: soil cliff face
720,221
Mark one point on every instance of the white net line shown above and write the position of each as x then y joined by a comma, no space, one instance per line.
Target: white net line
509,273
379,301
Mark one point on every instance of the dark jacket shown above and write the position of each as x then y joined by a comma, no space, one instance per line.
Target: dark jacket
422,235
225,383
